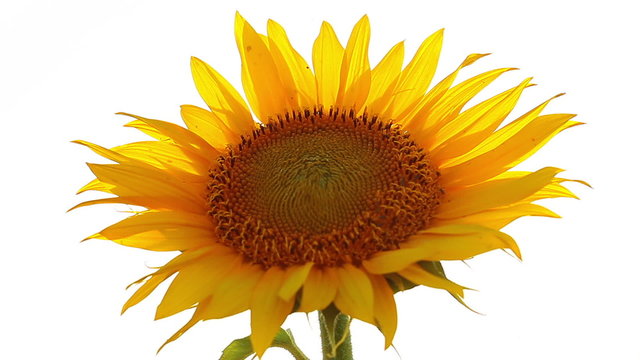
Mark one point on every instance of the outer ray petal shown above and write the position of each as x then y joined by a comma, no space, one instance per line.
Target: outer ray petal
127,180
384,308
268,310
287,59
508,154
384,78
474,125
223,100
139,201
170,268
289,87
500,217
413,119
450,242
164,155
233,293
208,126
501,134
295,276
195,282
161,231
261,79
473,147
494,193
152,158
416,77
319,289
355,293
247,84
416,274
551,191
450,104
151,203
327,60
197,317
97,185
111,154
355,71
165,131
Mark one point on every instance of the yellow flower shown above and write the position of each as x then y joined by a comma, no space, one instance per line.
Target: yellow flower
349,182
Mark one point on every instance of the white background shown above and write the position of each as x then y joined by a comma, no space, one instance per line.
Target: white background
67,66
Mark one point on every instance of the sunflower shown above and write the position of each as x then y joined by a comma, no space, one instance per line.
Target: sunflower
333,188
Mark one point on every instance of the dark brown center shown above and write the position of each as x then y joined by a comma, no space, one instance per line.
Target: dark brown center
330,188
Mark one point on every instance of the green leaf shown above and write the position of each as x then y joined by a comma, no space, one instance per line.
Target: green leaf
398,283
434,267
240,349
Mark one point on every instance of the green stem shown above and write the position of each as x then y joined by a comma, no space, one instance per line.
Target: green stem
335,335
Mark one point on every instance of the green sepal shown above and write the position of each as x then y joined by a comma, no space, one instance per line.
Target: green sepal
398,283
241,349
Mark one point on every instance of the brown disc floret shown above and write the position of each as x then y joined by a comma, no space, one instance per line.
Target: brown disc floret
323,187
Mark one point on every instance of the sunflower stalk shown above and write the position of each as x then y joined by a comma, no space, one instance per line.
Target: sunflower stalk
335,334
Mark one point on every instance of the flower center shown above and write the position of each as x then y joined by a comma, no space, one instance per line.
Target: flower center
330,188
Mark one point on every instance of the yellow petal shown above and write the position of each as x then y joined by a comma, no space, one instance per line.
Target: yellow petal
268,96
268,310
139,201
551,191
327,60
223,100
416,77
195,282
208,126
449,106
155,279
493,193
247,84
151,203
384,308
165,155
474,125
289,61
413,119
97,185
147,129
189,141
500,136
197,316
384,78
233,294
355,71
127,180
295,276
161,231
140,158
319,289
149,156
449,242
500,217
109,154
417,275
508,154
355,293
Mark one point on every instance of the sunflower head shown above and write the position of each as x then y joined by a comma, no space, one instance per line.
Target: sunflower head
336,185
